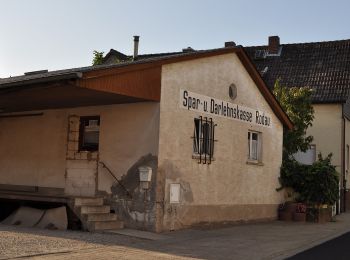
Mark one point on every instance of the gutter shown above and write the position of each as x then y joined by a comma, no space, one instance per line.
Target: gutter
38,80
343,160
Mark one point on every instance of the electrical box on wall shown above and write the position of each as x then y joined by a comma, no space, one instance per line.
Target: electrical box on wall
175,192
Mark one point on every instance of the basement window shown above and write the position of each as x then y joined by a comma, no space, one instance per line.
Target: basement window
89,133
203,139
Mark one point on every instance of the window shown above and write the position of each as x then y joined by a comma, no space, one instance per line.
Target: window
203,139
89,132
308,157
254,146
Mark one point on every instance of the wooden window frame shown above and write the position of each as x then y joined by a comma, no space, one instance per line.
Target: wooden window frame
83,122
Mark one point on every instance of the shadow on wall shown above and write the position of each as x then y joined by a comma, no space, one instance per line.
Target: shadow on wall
140,210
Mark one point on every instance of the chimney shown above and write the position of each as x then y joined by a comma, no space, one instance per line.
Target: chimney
136,46
274,44
230,44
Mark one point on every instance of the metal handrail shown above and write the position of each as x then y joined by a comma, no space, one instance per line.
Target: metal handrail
119,182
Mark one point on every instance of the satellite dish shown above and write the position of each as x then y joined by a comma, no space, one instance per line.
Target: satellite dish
232,91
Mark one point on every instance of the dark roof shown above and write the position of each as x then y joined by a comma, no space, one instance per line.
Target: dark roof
76,72
323,66
114,56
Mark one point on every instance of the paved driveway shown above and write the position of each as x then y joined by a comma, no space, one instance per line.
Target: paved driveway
274,240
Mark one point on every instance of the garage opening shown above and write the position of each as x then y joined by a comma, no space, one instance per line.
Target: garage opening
41,214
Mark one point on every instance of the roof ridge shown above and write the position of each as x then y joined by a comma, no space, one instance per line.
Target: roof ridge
303,43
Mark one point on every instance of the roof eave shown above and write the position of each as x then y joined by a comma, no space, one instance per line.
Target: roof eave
329,102
20,83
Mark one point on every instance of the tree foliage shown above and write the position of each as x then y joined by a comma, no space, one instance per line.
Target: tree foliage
296,102
98,58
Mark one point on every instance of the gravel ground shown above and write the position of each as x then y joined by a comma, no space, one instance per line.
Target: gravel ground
19,242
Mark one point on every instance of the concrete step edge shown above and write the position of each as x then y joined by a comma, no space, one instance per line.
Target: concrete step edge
101,217
95,209
88,201
105,225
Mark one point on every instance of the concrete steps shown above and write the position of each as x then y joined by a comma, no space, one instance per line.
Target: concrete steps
88,201
95,215
101,217
104,225
95,209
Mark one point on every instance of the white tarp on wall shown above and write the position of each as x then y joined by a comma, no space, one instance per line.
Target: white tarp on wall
55,218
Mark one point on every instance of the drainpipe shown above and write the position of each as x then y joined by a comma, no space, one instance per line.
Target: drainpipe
343,161
136,46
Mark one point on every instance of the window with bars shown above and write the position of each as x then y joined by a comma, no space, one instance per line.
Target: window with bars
254,146
203,139
89,133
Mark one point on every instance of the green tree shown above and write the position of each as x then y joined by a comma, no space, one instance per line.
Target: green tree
296,102
98,58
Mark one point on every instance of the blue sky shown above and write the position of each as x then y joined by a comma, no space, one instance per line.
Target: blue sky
48,34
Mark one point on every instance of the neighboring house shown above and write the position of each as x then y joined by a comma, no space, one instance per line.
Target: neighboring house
324,67
203,124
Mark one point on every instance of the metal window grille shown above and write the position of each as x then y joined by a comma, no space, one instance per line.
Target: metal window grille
203,139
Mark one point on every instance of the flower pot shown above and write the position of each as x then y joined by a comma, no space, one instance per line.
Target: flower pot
285,215
319,215
324,215
291,207
300,217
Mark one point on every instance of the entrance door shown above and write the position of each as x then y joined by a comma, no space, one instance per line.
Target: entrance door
82,154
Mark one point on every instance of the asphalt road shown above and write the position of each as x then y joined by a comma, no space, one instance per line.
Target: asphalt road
338,248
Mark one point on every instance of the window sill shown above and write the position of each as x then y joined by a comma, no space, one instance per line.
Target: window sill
197,156
257,163
87,155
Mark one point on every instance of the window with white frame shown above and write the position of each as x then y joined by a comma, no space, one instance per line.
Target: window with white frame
254,146
308,157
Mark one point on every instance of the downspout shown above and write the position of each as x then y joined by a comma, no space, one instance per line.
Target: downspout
343,161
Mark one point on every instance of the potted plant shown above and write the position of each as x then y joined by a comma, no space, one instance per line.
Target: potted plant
300,213
319,214
316,185
286,210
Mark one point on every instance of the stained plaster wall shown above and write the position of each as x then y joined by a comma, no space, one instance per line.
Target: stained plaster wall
33,149
229,189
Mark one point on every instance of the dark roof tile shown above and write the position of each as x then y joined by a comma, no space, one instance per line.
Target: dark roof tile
323,66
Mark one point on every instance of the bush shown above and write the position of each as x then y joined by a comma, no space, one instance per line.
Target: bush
316,184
